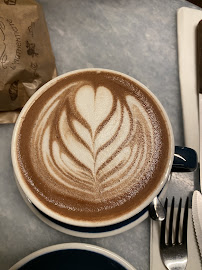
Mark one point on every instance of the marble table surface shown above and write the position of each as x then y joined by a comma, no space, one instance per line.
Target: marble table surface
138,38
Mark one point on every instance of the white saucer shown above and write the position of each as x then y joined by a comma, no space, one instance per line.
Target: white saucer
73,256
89,232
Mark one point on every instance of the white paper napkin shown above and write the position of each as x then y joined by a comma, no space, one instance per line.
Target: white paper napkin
187,20
193,253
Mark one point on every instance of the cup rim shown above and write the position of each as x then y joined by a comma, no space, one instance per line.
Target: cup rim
71,221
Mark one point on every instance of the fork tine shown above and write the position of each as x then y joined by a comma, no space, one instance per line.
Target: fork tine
174,254
163,225
185,221
178,223
171,222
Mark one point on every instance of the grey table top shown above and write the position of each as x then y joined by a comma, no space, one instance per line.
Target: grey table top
138,38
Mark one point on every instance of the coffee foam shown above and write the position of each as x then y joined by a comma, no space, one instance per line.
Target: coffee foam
92,146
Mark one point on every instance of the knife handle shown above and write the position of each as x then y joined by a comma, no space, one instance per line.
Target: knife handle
199,57
185,160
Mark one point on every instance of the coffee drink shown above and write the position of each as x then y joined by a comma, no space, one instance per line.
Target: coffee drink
92,146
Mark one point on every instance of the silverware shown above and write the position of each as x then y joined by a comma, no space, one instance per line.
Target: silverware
156,210
197,220
174,253
199,86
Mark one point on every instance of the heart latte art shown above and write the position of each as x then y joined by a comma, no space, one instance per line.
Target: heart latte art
91,146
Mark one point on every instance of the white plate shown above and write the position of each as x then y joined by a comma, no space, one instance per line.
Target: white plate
73,256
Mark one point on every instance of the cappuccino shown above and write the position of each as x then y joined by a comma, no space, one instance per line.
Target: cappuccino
92,146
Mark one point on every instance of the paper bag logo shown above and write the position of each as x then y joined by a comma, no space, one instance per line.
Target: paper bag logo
13,90
31,49
10,2
10,44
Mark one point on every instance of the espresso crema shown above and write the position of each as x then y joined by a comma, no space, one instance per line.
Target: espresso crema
93,146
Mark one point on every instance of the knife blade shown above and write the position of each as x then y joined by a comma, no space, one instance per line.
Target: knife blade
199,87
197,218
197,196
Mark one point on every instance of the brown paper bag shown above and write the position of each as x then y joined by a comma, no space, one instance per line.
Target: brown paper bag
26,58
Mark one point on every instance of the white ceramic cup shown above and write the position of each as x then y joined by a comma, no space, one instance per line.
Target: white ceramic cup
28,192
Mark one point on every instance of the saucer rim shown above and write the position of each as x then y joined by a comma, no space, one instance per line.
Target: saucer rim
72,246
75,232
80,234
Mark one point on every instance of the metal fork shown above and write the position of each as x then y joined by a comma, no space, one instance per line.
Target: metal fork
174,253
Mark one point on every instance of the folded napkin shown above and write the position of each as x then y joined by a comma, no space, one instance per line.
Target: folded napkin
187,21
197,217
156,263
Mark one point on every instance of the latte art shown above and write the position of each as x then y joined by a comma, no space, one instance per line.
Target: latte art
93,143
91,148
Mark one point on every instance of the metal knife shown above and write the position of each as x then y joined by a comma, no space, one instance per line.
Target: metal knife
197,218
197,196
199,86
